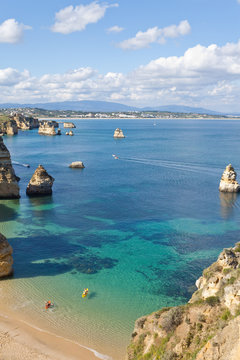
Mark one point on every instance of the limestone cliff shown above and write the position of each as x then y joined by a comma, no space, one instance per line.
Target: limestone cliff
206,328
8,126
6,259
41,183
25,123
9,188
228,181
118,133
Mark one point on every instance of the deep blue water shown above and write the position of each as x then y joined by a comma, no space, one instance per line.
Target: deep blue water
137,231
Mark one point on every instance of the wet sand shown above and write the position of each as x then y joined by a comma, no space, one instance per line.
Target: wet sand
20,340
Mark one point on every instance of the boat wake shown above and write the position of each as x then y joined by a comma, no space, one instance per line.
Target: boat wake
181,166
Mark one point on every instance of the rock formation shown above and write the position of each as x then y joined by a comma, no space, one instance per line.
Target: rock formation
207,328
41,183
58,132
9,188
25,123
6,259
228,181
77,165
68,125
46,128
118,133
8,126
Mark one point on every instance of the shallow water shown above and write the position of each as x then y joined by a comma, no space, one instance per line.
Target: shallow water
136,231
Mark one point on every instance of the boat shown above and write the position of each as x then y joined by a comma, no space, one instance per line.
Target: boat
115,156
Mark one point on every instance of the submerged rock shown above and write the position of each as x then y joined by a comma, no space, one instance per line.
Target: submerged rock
41,183
206,328
228,181
6,259
9,188
118,133
77,165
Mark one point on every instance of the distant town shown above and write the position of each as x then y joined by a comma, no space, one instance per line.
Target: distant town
71,114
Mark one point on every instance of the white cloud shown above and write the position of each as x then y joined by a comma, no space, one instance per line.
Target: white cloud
155,35
115,29
202,76
71,19
11,31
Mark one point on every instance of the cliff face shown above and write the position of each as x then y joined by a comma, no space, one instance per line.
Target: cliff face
8,126
6,259
9,188
25,123
206,328
41,183
228,181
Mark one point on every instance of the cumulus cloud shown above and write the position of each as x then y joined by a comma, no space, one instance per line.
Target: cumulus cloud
155,35
11,31
71,19
115,29
202,76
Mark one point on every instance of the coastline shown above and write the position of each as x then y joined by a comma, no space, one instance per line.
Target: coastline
20,339
95,118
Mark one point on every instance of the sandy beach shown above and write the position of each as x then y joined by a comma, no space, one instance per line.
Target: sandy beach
20,340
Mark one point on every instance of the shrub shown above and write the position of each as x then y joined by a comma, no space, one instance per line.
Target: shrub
212,300
231,280
237,248
226,314
227,271
172,319
199,326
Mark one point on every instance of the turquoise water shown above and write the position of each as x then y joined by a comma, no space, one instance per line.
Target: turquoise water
137,231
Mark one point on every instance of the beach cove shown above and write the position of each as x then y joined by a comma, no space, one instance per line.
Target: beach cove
137,231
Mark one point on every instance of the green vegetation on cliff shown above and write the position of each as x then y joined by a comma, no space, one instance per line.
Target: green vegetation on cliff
203,328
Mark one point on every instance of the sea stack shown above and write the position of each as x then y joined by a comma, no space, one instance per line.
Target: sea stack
69,125
9,188
47,128
41,183
77,165
6,259
118,133
228,181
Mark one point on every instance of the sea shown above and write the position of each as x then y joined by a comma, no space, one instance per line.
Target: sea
136,229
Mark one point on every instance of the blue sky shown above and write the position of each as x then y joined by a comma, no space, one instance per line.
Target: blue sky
148,52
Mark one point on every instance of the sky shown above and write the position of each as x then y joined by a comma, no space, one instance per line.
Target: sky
135,52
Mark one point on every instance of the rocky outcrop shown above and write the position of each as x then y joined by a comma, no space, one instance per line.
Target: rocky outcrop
9,188
206,328
118,133
41,183
77,165
6,259
25,123
8,126
46,128
69,125
228,181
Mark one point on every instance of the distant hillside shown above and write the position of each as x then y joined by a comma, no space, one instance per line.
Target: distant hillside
85,106
182,109
105,106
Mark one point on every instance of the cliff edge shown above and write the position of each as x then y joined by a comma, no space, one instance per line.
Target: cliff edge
206,328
